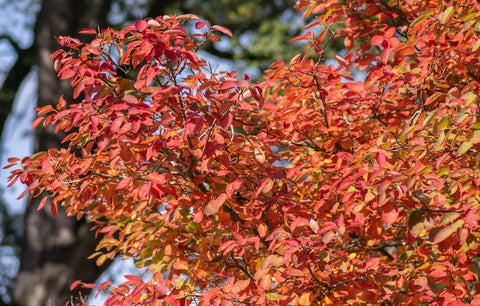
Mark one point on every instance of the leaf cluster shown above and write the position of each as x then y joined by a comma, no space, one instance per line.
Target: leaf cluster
306,188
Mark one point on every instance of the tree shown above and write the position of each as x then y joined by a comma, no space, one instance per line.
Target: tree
51,248
305,188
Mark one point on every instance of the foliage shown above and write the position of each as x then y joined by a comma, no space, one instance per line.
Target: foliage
305,188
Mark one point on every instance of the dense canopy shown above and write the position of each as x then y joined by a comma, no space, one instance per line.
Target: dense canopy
305,188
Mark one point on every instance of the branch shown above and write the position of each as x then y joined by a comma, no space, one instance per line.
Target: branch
16,75
12,42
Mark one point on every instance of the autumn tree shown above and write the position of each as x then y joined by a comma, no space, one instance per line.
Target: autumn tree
50,249
306,188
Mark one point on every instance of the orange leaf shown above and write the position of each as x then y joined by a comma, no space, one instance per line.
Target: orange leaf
124,183
42,203
390,214
221,29
445,232
180,265
301,4
12,160
88,31
213,206
377,40
306,298
213,37
240,286
36,122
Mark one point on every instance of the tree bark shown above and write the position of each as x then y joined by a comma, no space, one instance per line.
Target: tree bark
55,249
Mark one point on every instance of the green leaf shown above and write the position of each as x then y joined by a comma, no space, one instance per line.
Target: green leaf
476,137
422,17
476,45
464,147
415,223
192,227
440,142
469,97
443,123
443,171
449,218
101,259
446,14
274,296
434,97
429,118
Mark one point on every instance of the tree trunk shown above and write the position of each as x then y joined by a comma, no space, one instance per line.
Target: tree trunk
55,249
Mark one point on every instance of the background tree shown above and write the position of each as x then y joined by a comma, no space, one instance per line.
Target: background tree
53,248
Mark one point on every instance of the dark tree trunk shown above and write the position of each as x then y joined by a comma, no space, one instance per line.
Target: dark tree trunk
55,249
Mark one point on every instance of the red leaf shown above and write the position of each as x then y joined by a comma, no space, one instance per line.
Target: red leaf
75,284
104,285
141,25
208,294
390,214
276,64
342,62
213,37
133,280
227,85
377,40
224,30
24,193
89,286
265,186
124,183
53,208
144,190
306,36
439,200
301,4
157,178
116,124
385,55
381,159
226,120
46,166
200,24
